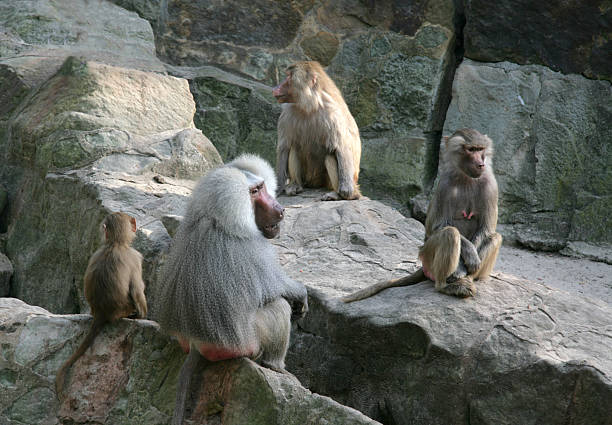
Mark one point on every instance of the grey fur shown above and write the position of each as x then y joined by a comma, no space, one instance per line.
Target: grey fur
221,270
259,167
456,194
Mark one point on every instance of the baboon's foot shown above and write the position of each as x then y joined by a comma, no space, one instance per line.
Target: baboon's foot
330,196
461,288
293,189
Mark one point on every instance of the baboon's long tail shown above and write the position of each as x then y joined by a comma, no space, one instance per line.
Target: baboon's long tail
95,329
411,279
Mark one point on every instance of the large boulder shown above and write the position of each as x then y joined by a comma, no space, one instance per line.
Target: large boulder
571,37
552,156
517,352
94,139
37,36
90,110
129,376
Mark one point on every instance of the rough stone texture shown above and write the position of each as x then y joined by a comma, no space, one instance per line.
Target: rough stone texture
129,376
6,271
14,87
394,85
334,236
588,250
147,9
251,33
567,36
241,392
3,202
552,155
259,38
89,110
38,35
518,352
94,139
321,47
237,114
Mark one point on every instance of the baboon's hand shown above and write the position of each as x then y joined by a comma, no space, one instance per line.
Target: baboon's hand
469,255
472,263
293,189
459,273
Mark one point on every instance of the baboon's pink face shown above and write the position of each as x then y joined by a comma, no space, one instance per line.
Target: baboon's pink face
268,212
284,91
473,162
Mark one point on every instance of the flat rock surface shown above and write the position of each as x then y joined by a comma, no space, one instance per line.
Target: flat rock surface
576,275
322,241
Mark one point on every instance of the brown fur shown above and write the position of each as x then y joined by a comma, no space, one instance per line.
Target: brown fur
461,244
318,138
113,284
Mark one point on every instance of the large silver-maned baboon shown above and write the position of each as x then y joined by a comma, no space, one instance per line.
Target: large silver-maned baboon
222,290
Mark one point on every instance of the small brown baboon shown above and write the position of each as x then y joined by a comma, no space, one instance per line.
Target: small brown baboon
113,283
318,139
461,243
222,291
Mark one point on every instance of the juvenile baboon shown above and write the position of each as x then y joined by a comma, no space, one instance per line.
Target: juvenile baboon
318,139
113,283
222,291
461,244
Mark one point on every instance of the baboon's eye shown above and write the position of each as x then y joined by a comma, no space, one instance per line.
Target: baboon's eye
255,189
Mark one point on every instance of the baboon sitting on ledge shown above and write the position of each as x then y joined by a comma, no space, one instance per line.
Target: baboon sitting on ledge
461,244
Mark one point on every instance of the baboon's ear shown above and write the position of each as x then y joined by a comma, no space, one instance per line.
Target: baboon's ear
133,221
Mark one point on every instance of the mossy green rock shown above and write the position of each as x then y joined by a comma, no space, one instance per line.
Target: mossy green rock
89,110
393,85
110,384
237,115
